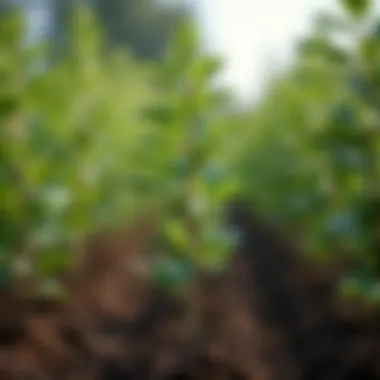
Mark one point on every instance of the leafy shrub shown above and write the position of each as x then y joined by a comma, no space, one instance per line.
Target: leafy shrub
96,140
70,137
310,159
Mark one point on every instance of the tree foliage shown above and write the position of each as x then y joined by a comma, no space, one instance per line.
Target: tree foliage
70,136
311,157
93,141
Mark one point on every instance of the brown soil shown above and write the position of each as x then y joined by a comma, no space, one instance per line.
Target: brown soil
271,316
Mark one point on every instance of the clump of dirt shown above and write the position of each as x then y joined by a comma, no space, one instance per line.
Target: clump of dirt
270,316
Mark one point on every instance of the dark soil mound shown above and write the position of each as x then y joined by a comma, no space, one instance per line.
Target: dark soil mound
271,316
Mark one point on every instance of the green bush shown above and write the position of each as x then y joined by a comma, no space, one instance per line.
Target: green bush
311,157
98,139
71,134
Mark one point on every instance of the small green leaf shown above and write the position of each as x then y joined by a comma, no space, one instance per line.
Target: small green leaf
160,114
8,106
226,190
357,8
218,244
12,29
51,262
207,68
175,231
185,43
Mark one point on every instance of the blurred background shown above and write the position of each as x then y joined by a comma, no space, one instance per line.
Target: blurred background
189,189
248,35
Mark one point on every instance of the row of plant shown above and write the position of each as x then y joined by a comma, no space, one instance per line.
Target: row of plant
313,152
100,138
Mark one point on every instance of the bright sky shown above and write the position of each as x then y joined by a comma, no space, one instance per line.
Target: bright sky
254,36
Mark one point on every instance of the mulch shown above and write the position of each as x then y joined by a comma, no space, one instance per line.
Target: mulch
271,316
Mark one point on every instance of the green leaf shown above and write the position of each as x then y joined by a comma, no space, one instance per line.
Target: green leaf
218,245
52,261
8,106
185,44
206,69
12,30
176,233
160,114
226,190
357,8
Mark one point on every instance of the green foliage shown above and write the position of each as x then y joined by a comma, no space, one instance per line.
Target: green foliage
313,164
69,142
95,140
357,7
189,120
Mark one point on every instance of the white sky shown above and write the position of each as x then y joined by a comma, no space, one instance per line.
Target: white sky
254,36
